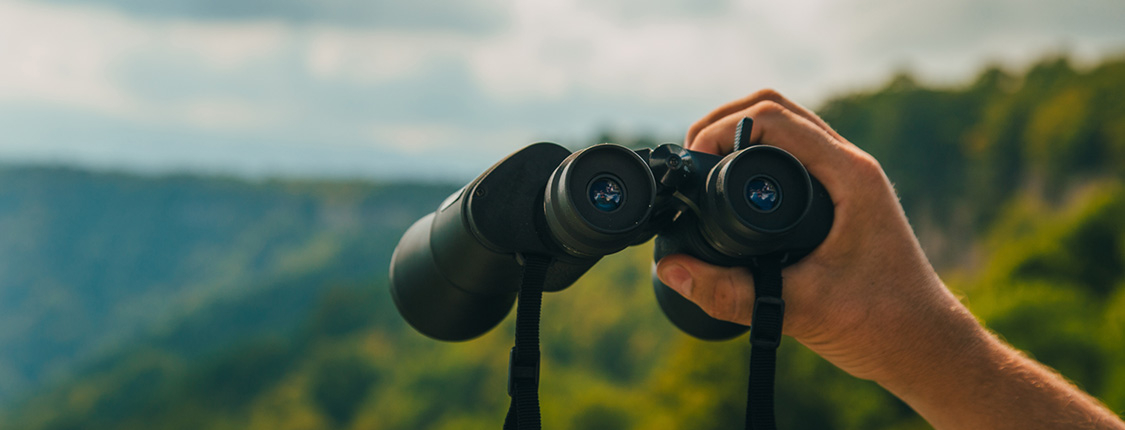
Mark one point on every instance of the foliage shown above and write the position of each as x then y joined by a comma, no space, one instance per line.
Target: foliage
956,155
92,262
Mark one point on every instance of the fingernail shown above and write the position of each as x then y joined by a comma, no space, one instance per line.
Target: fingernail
678,278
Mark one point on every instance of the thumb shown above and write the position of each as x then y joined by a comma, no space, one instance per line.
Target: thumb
725,293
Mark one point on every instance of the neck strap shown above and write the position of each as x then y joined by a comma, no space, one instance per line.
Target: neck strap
765,336
523,361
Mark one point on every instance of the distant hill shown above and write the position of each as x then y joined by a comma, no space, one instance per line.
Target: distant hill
91,262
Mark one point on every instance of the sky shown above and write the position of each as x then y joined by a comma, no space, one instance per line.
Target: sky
441,90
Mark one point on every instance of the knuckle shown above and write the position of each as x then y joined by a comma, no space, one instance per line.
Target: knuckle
766,108
697,127
768,94
868,167
868,160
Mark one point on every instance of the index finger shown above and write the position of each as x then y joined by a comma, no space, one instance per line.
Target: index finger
751,100
825,157
773,125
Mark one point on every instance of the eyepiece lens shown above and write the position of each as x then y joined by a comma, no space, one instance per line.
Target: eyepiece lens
763,194
606,193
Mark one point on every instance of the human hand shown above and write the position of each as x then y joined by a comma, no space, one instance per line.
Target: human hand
867,292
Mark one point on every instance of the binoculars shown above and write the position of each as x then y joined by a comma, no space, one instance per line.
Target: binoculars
455,273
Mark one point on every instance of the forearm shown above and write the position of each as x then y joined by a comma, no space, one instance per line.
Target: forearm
957,375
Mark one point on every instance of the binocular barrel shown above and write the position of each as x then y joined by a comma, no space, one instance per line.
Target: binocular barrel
443,291
455,272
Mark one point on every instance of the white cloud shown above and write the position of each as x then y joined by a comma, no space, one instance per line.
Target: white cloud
219,46
537,69
225,113
63,56
375,56
74,57
558,47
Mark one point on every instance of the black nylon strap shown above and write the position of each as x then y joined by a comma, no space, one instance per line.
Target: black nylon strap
765,336
742,134
523,362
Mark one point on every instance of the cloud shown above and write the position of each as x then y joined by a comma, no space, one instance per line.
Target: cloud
949,40
50,55
476,16
471,81
107,63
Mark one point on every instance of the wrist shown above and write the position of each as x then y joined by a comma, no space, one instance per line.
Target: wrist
934,356
903,340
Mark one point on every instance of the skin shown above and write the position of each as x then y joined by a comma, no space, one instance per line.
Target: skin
868,300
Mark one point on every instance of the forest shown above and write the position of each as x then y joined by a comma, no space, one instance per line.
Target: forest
182,302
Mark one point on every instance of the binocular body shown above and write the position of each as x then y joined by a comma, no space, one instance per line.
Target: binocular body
455,273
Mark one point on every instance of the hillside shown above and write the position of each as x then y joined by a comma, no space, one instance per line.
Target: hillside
91,262
957,156
1014,182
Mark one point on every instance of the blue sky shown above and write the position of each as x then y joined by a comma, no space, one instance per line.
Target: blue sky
429,89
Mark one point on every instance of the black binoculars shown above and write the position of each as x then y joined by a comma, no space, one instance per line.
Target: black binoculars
455,273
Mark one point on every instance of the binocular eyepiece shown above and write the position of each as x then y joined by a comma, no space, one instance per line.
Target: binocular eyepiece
597,199
455,273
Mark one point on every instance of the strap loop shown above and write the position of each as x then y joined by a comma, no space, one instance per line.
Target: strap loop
765,328
527,375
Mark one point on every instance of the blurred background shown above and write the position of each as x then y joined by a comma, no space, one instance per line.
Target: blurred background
198,199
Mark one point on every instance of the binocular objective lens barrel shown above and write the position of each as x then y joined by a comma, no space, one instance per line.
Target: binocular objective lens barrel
597,200
445,283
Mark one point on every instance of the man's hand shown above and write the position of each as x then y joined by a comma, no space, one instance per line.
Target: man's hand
868,300
869,271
